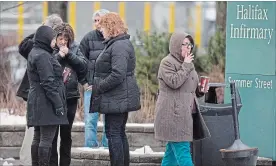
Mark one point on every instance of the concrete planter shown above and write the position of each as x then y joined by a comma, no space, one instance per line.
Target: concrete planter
11,138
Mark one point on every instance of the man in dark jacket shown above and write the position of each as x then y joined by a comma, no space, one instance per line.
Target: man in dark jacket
24,49
91,46
74,66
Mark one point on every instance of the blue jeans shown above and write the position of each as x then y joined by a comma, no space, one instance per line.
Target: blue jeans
177,154
91,120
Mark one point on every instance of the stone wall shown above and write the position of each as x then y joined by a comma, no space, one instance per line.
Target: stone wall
84,157
11,138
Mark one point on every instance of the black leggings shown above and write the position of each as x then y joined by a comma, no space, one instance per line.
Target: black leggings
44,135
65,137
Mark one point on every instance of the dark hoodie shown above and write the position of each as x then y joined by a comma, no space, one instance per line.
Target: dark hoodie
24,49
74,60
46,103
43,38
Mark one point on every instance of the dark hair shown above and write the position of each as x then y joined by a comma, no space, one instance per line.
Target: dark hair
189,37
66,30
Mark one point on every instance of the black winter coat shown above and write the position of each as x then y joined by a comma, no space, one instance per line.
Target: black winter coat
115,88
91,46
78,65
46,103
24,49
76,62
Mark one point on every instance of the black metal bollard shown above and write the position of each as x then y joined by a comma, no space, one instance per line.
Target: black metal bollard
238,154
219,120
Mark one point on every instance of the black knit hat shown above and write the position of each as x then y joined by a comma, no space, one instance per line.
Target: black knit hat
43,38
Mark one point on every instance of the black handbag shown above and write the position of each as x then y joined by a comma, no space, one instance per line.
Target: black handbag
200,129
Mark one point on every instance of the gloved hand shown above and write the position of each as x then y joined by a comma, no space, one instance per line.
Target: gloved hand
60,111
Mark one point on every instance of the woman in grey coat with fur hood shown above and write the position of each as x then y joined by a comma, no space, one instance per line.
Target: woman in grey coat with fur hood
177,102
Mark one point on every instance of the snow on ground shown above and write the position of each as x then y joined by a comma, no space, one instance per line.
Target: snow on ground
6,119
144,150
7,161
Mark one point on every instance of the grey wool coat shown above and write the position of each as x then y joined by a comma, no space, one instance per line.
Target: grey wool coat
178,82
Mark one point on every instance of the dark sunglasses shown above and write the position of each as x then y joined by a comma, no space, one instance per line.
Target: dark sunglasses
188,45
96,20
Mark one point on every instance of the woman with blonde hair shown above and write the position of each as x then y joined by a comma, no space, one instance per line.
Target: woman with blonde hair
178,120
115,91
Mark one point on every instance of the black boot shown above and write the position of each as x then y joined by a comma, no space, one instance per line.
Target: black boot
34,154
44,154
54,157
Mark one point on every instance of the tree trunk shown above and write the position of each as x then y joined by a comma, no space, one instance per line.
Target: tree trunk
58,7
221,7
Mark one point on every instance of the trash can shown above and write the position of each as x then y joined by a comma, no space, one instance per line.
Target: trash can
219,120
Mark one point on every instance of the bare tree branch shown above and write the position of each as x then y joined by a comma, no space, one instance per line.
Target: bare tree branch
12,7
26,8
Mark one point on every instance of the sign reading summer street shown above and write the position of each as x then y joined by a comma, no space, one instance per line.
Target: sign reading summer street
250,63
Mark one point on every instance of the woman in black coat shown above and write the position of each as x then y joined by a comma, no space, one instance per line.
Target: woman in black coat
46,105
74,66
115,91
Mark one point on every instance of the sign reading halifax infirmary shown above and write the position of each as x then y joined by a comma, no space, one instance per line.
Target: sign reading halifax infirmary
244,31
250,62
